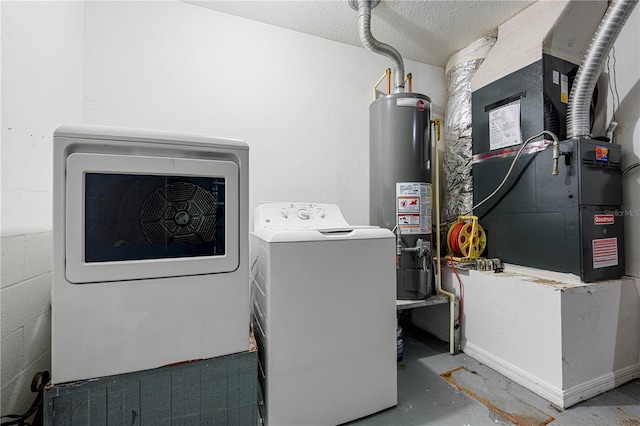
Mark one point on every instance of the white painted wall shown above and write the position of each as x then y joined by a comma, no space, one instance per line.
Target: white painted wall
300,102
627,113
42,59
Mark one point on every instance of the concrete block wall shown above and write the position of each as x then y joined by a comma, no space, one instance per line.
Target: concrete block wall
42,83
25,316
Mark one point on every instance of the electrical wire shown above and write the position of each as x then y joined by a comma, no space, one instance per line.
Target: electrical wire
513,163
38,383
615,79
613,83
610,84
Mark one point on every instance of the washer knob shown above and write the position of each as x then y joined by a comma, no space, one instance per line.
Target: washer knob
284,213
303,214
321,213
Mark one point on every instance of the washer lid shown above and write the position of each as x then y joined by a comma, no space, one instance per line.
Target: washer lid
286,222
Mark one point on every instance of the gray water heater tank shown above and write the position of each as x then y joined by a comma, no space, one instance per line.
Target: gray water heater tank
399,151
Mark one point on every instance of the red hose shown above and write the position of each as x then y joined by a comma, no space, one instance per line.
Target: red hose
454,239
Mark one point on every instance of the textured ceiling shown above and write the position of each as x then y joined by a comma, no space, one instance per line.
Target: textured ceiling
424,31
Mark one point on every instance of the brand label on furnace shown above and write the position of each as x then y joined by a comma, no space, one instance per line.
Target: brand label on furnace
603,219
602,153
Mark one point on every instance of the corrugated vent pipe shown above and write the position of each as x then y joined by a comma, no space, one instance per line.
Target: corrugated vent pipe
578,120
368,41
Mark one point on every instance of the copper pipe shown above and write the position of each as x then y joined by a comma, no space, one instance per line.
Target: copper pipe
388,81
387,73
408,79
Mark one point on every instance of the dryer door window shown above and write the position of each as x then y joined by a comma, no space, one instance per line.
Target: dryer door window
136,217
133,217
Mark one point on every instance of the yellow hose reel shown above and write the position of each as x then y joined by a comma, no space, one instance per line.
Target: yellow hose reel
466,239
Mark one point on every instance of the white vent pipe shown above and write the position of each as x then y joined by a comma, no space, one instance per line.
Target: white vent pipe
578,119
369,42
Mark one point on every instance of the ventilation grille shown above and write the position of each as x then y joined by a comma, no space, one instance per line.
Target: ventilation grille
595,163
179,213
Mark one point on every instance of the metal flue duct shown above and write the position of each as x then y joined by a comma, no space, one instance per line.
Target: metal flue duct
578,120
369,42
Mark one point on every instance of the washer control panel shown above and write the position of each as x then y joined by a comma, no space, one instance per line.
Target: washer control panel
311,215
302,212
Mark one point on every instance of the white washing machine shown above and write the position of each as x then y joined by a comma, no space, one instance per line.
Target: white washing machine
324,315
151,256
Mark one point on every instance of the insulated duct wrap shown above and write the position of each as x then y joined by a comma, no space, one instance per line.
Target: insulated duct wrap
458,183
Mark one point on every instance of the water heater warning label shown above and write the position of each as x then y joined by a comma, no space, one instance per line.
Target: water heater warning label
413,208
605,252
409,205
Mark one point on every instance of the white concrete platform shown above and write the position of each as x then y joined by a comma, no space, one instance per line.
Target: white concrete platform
563,339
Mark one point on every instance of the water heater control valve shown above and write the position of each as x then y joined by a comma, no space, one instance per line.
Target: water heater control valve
423,247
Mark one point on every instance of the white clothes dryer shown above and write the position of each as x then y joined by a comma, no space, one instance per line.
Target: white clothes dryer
324,315
150,259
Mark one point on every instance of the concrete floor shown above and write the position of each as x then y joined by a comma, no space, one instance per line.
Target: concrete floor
426,398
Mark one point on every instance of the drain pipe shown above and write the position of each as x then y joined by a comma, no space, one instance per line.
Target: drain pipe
578,120
370,43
